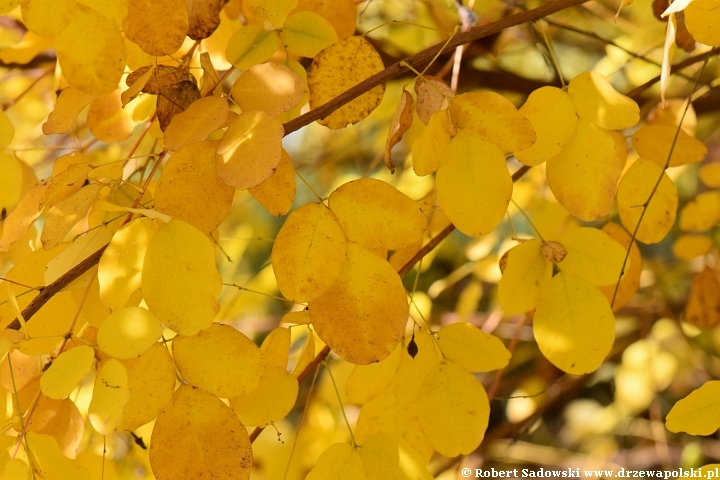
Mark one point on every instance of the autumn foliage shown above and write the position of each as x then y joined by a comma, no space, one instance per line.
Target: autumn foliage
223,218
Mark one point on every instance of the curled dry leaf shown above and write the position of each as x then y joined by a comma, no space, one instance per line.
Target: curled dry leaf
401,122
703,307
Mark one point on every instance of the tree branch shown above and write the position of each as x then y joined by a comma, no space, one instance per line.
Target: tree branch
425,56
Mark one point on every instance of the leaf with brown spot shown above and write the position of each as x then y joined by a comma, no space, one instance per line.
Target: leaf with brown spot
175,99
204,18
401,122
553,251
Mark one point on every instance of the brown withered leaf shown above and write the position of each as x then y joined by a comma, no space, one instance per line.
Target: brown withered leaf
164,76
703,307
683,38
553,251
175,99
431,93
399,125
204,17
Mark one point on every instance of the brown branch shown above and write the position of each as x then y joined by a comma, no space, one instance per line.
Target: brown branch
422,58
393,71
636,92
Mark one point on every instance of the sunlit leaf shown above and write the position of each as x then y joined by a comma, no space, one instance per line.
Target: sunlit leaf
158,27
270,87
66,371
526,273
110,396
362,316
573,324
698,413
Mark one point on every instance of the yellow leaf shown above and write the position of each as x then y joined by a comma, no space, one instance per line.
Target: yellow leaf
653,142
27,49
307,33
210,78
526,273
120,267
598,102
107,120
277,193
376,215
634,190
66,181
630,281
592,255
401,122
60,419
66,371
412,371
687,247
471,348
47,17
340,460
128,333
297,318
270,87
698,413
432,96
453,410
63,216
191,190
621,146
340,13
16,469
270,402
8,6
429,147
249,152
110,396
362,316
573,325
702,213
710,175
250,45
272,14
49,462
194,124
275,349
80,249
369,381
703,307
69,103
219,359
198,437
494,117
584,176
553,118
331,74
306,354
82,51
473,183
701,19
158,27
7,130
151,383
180,281
10,180
308,253
387,456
